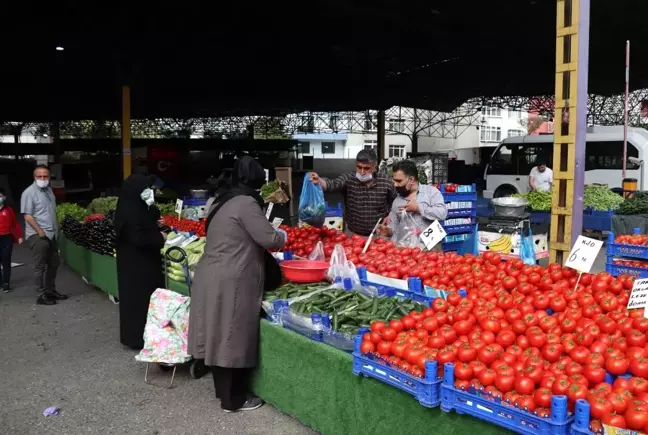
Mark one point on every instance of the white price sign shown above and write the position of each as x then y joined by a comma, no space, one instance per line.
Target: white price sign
276,222
178,207
269,210
639,295
432,235
583,254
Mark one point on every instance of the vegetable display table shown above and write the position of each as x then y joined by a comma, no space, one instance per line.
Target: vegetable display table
314,383
311,381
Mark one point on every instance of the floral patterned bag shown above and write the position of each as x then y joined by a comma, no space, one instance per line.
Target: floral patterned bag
167,329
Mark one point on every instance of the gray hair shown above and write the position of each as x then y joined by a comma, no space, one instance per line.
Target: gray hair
367,156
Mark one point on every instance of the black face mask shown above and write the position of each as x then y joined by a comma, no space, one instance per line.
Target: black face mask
402,191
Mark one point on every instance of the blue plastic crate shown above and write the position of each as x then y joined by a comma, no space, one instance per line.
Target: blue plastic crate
485,407
426,390
334,211
461,212
459,229
539,217
597,220
618,269
414,291
582,418
630,251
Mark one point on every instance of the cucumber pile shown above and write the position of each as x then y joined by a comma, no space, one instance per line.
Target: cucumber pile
350,310
291,291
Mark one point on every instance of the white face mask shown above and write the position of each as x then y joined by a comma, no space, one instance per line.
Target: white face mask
364,177
148,196
42,183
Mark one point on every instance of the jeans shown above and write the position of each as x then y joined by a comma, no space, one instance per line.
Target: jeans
6,247
46,262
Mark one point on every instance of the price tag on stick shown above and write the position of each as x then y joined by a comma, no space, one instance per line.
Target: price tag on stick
432,235
583,254
178,207
639,294
269,210
276,222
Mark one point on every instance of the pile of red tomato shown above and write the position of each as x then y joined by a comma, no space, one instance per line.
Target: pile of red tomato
632,239
502,339
631,263
302,241
185,225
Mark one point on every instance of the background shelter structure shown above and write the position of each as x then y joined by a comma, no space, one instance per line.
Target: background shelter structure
194,60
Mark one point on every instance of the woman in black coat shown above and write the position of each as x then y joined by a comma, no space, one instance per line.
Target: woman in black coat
139,264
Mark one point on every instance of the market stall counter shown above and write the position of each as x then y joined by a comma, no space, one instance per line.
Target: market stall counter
318,387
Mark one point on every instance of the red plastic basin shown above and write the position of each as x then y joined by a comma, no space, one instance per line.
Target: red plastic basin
304,271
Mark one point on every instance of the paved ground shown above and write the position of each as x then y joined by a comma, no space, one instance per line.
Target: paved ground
69,356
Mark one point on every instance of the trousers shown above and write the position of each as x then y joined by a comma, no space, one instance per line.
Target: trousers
6,247
231,385
46,262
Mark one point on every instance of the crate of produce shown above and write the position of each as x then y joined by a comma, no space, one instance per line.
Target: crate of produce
453,192
461,212
411,289
631,246
426,390
619,266
482,405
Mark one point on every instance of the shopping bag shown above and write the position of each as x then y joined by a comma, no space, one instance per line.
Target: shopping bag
527,249
317,254
407,234
312,208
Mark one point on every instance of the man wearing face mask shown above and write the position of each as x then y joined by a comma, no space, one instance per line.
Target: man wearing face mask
424,203
38,205
368,196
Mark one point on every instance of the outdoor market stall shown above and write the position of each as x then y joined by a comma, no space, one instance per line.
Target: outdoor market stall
544,350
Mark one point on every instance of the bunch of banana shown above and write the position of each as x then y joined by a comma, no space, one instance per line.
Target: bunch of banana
502,245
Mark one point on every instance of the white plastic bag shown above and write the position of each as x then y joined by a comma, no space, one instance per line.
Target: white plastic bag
341,267
317,254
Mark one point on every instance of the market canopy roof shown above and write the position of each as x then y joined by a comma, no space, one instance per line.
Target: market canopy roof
184,59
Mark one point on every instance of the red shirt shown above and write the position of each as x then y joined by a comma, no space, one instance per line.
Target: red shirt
9,223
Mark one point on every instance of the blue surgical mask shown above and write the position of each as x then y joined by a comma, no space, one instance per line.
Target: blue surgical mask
1,200
148,196
364,177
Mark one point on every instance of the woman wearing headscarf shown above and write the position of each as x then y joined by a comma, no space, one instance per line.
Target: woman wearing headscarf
228,286
139,265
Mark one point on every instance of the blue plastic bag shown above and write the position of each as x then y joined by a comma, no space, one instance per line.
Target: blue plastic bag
527,249
312,208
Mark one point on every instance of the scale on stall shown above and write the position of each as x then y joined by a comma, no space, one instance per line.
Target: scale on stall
502,233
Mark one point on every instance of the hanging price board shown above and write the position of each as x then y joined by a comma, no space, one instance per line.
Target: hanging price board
432,235
639,295
583,254
178,207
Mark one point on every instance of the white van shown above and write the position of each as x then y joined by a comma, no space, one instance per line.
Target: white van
508,170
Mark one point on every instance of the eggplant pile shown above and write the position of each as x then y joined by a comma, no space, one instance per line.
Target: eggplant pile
96,235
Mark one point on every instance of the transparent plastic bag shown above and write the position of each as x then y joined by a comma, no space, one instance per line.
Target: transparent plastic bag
317,254
312,208
406,234
341,267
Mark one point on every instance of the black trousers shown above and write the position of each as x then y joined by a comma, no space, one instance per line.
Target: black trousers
46,262
231,385
6,247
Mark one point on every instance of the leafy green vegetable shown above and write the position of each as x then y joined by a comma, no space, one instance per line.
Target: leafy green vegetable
103,205
601,198
73,210
539,201
269,188
638,204
166,208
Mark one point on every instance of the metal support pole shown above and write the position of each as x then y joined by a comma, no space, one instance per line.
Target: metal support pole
572,59
126,132
625,107
381,135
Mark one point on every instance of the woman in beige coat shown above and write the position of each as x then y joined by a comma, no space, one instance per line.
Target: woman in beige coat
228,286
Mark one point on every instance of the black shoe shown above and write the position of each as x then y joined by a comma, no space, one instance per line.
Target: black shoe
250,404
46,299
58,296
6,288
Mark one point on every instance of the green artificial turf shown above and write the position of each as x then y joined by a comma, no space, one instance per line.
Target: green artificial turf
314,383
